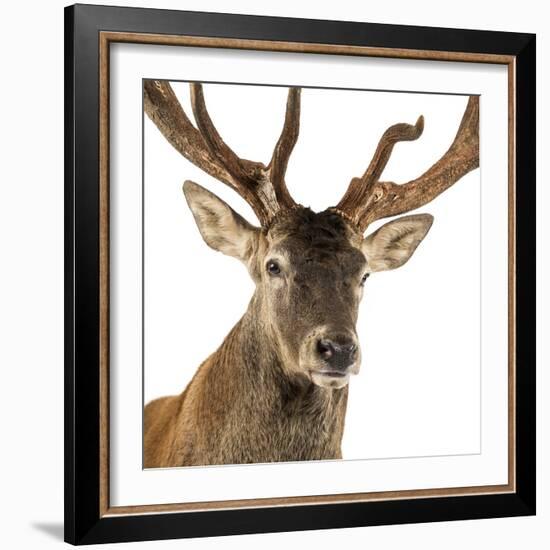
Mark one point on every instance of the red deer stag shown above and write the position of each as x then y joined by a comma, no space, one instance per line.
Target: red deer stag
276,389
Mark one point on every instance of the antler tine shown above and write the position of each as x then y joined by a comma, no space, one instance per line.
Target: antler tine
368,199
284,147
359,193
164,109
221,151
262,187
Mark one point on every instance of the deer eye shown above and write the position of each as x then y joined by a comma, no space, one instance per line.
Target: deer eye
364,278
273,268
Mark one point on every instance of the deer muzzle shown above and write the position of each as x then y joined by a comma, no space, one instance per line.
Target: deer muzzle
331,357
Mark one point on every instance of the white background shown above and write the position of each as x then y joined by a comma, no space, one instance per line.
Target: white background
424,401
31,293
419,326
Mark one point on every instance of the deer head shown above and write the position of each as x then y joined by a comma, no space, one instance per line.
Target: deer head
309,268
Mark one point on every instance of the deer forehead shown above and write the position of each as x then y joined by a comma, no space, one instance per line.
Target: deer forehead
315,229
308,241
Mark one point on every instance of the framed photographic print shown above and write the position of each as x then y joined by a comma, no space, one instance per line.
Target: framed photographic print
299,274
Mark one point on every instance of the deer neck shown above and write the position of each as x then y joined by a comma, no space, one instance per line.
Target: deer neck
254,351
304,421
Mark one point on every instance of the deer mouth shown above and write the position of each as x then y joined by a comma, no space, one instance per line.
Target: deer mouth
329,378
332,373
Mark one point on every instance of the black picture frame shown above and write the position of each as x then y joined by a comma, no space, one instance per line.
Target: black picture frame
84,524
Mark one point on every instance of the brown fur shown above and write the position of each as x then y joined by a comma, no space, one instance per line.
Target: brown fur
260,397
246,403
241,407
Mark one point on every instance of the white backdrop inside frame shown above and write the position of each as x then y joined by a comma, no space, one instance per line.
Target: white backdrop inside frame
419,392
419,325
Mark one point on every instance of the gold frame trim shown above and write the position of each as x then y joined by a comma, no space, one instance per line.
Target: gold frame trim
105,39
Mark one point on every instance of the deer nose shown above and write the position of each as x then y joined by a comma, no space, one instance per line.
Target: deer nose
338,353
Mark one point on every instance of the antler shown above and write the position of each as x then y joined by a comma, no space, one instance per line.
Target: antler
263,187
368,199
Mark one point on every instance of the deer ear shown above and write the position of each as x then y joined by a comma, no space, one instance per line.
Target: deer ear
220,226
393,244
